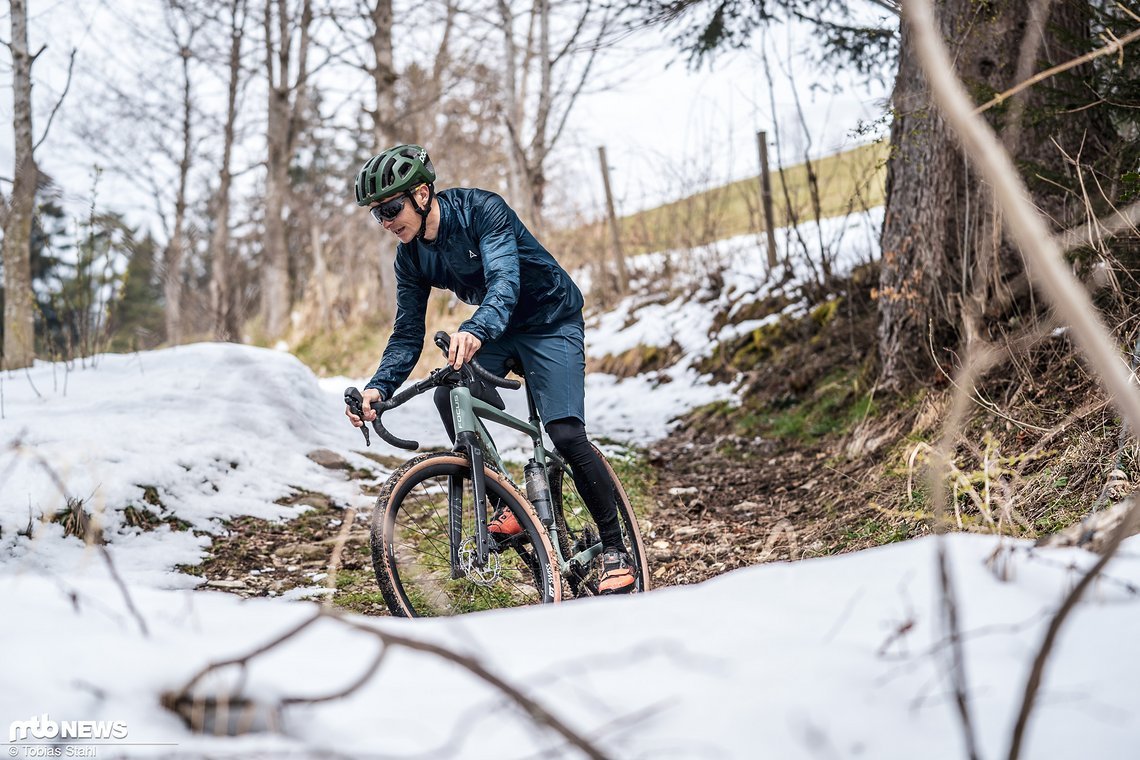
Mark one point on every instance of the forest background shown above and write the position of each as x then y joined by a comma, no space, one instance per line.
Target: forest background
207,150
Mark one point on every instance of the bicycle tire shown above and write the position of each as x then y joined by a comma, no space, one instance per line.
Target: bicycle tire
410,548
580,530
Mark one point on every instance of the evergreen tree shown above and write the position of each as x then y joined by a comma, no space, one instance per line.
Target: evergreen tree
50,246
136,320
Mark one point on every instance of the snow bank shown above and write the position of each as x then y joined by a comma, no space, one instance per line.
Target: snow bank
840,657
211,430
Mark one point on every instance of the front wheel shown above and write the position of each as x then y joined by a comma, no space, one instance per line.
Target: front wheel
411,550
578,532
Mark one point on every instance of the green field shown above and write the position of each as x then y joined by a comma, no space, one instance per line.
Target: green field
847,181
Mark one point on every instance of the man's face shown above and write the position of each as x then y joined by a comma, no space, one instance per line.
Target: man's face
406,224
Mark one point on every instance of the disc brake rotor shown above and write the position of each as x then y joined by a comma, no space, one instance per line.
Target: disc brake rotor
487,575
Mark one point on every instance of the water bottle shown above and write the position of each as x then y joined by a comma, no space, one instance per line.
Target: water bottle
538,491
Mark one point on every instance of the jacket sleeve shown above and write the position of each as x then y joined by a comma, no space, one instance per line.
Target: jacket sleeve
498,248
407,341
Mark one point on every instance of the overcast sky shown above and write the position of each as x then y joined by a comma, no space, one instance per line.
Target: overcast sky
667,120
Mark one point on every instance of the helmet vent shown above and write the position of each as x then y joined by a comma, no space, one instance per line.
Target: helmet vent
386,176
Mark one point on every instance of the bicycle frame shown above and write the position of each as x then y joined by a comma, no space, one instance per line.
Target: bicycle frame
468,413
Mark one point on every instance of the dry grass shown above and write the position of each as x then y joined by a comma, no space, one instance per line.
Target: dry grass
847,181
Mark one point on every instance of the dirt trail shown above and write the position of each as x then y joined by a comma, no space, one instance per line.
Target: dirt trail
761,501
711,513
719,501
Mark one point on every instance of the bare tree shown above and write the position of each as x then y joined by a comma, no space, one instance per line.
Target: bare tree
285,52
542,79
19,335
222,308
182,26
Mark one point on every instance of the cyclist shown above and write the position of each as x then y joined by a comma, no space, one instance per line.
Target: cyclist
471,242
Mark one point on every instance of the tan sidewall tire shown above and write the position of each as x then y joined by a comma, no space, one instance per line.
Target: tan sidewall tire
635,531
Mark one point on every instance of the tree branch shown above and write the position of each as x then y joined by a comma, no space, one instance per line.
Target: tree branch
1118,222
537,713
1108,49
890,6
1033,683
58,103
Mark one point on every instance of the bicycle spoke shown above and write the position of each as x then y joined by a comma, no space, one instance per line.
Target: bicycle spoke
419,565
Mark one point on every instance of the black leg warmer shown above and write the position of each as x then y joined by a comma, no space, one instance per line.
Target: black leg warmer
590,476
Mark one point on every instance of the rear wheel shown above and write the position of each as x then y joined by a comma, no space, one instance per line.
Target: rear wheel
411,551
577,531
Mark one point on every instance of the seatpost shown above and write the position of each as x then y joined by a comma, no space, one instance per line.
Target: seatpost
534,420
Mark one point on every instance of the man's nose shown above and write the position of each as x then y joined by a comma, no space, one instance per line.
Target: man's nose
387,223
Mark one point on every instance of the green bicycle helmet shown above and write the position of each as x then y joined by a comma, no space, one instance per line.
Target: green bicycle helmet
396,170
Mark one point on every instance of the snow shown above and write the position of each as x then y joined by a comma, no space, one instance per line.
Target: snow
686,318
216,430
779,660
684,315
842,656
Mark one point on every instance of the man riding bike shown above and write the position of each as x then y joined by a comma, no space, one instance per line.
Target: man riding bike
471,242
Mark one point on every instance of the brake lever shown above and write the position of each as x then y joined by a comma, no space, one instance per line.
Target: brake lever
355,403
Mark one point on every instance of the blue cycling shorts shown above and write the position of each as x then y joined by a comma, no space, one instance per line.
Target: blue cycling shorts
553,358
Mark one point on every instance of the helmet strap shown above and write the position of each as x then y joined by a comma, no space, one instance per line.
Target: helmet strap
423,212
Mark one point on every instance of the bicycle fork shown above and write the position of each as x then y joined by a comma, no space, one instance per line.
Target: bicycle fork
470,442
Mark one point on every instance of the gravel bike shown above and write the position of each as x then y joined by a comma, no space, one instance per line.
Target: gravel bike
431,550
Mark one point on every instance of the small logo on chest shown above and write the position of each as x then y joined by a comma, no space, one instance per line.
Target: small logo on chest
471,254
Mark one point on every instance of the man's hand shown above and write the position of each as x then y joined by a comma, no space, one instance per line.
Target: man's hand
370,395
463,347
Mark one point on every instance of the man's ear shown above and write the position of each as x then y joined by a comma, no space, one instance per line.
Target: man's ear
422,194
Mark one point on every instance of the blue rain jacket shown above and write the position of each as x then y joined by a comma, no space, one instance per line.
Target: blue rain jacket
485,255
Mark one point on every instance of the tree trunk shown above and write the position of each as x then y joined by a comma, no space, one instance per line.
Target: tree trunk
945,266
19,325
223,314
176,248
383,76
286,109
274,271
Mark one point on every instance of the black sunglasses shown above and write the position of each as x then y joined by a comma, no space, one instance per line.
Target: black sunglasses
389,209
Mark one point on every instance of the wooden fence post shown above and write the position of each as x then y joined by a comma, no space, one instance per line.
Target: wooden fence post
619,257
766,197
